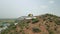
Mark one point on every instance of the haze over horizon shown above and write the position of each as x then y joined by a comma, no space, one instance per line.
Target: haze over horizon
17,8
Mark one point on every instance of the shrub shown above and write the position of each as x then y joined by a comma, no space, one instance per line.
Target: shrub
34,20
1,26
28,22
47,27
57,22
13,27
5,31
44,19
36,30
51,32
23,24
23,33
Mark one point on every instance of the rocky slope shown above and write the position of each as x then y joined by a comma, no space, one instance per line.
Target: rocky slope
43,24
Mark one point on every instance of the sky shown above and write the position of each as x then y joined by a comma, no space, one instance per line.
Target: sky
17,8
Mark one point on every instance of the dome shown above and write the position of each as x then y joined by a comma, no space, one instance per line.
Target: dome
30,15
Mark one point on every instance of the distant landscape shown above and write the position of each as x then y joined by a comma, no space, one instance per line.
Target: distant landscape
29,16
42,24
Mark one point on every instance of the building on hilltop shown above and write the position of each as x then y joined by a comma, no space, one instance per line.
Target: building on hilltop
30,16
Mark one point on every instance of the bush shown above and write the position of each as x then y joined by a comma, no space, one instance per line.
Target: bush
28,22
23,24
47,27
57,22
51,32
34,20
36,30
23,33
13,27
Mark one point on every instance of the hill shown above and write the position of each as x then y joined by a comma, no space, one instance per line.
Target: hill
43,24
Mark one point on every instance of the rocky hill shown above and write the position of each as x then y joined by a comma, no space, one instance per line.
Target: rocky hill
43,24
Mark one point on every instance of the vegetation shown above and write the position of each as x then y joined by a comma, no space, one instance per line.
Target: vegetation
35,25
36,30
34,20
51,32
5,31
23,24
23,33
57,22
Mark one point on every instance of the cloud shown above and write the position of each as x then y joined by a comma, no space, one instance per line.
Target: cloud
51,2
43,6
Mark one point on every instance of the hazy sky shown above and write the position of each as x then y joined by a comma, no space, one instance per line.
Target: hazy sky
16,8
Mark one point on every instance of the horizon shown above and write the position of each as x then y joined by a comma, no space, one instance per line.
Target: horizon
27,15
